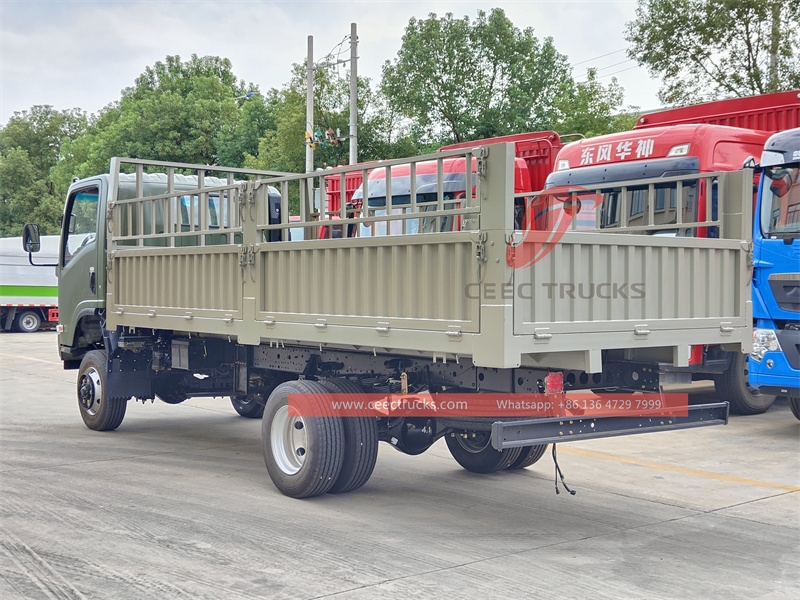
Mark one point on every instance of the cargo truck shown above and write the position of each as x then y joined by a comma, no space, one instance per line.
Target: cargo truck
156,306
775,360
716,136
28,294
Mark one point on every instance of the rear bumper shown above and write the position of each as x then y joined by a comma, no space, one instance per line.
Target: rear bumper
531,432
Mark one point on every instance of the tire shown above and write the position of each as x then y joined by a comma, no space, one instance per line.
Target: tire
732,386
528,456
303,454
27,321
99,412
794,404
360,443
476,454
251,407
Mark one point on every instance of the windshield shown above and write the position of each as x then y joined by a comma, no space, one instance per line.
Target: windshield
780,205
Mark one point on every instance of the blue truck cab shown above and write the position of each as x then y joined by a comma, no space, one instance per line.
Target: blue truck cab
774,364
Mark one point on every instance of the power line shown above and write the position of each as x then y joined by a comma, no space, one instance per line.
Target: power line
620,71
597,70
622,62
596,57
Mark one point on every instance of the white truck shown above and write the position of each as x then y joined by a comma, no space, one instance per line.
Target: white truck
28,293
187,282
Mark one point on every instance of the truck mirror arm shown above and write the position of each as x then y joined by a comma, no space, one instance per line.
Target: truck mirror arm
31,243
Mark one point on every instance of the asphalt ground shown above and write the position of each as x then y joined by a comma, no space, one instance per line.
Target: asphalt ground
177,503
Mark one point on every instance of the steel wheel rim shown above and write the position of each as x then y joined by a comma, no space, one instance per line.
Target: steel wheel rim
29,322
90,391
289,441
475,445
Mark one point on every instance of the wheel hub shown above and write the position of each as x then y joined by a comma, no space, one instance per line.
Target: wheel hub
476,442
289,441
90,391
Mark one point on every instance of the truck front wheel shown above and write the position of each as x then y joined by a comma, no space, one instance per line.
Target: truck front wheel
475,453
303,452
732,386
99,412
27,321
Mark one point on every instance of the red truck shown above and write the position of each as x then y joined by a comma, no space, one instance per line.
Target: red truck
537,150
717,136
535,158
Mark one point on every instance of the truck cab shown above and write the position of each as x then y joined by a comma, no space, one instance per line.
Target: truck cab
82,255
775,360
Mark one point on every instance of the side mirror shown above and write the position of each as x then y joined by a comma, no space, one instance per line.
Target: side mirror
30,238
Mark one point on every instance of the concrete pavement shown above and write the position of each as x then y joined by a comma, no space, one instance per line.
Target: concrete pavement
177,504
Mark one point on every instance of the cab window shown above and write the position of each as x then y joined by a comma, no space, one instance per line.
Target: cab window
81,221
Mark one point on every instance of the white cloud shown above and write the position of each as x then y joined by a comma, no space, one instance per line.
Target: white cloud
83,53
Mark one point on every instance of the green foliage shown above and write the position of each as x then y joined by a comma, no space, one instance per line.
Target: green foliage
712,49
453,80
31,144
191,112
462,80
176,110
242,137
282,148
589,108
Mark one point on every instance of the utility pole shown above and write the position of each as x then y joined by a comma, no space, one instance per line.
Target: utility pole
774,45
353,94
310,69
310,103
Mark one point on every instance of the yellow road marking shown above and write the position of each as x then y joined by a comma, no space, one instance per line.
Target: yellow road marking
685,471
47,362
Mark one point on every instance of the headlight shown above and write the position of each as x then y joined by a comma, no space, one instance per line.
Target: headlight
679,150
764,340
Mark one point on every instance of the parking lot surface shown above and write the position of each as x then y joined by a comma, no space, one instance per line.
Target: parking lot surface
177,503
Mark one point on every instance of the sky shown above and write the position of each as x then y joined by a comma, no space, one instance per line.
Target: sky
83,53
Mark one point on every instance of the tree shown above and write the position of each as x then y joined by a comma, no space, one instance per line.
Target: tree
31,144
282,148
192,111
241,138
713,49
591,109
462,80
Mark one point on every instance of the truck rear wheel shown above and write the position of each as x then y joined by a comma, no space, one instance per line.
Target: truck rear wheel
732,386
250,406
303,454
794,404
27,321
528,456
475,453
360,443
99,412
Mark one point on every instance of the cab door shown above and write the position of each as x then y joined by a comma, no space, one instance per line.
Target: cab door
81,270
